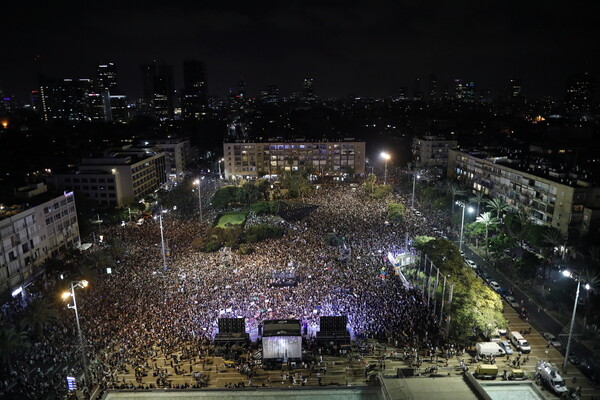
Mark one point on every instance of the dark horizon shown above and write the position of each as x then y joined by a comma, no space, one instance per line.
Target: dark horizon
347,48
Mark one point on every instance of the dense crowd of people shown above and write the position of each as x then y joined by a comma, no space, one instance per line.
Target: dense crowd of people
142,311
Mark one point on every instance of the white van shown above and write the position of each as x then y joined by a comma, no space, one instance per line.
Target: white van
489,349
519,342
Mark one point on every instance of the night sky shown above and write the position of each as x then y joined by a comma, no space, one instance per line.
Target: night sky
366,48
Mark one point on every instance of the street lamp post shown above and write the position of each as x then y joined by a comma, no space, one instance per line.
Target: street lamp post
162,240
71,293
386,157
415,177
462,223
219,164
569,274
198,182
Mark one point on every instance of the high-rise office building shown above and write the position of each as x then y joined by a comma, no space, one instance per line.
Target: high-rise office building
106,77
158,90
270,95
194,94
580,93
308,93
66,99
515,88
432,87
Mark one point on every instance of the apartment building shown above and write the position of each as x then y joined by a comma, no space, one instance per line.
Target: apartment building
553,198
255,159
34,226
432,151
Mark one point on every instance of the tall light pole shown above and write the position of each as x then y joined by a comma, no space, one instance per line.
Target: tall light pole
66,295
569,274
162,240
415,177
386,157
198,182
462,224
219,164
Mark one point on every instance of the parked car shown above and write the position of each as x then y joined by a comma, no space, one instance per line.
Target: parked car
552,340
495,285
507,347
470,263
513,302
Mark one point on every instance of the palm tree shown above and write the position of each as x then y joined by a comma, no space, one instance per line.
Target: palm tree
455,190
11,341
488,221
38,314
478,198
519,221
498,205
553,238
594,282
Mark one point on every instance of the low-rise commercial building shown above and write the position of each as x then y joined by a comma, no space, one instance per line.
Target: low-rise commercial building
119,178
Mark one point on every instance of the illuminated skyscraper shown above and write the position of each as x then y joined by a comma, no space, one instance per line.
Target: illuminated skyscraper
194,93
580,93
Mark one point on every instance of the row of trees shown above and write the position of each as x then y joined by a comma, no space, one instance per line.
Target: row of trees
474,307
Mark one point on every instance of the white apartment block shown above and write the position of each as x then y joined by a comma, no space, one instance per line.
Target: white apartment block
255,159
556,200
31,234
432,151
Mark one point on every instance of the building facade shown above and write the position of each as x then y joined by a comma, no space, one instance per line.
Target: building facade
251,160
555,199
119,178
39,227
432,151
177,153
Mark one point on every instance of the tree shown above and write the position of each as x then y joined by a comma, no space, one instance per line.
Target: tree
396,212
498,245
454,190
474,304
479,198
225,196
370,183
297,184
516,224
475,230
38,314
498,205
526,266
488,221
553,239
12,341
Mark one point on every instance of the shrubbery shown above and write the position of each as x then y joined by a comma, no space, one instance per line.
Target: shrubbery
396,212
264,207
261,232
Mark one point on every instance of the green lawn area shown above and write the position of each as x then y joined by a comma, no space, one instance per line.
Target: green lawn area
231,219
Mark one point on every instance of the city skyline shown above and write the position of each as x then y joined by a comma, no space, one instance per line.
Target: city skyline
353,48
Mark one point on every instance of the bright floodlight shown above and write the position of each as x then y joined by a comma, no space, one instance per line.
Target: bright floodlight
84,283
197,182
65,295
567,273
385,155
470,209
587,286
